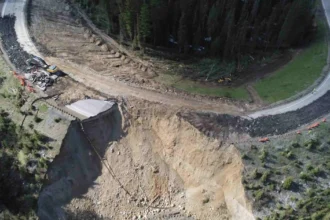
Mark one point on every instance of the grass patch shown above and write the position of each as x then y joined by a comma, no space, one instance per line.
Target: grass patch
300,73
43,108
197,88
22,158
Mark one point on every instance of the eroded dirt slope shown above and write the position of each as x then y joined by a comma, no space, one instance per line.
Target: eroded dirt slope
77,165
163,167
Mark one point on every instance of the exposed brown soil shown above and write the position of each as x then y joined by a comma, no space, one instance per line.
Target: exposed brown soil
258,71
167,169
61,32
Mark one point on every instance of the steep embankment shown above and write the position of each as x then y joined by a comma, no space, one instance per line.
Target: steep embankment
167,169
76,167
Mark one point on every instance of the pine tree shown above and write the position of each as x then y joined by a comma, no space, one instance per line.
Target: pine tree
144,23
101,16
182,32
128,19
296,23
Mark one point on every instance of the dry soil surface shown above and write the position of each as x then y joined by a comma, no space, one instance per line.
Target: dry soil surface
167,169
61,35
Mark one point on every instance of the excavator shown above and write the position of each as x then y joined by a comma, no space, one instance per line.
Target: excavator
227,80
37,62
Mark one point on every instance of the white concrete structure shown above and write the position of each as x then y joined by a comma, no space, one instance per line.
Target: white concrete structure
90,107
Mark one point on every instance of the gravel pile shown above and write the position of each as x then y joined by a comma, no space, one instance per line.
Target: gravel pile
9,41
263,126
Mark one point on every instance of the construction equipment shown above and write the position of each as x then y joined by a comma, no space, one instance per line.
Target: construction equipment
30,89
264,140
52,69
313,126
221,80
225,80
41,74
36,61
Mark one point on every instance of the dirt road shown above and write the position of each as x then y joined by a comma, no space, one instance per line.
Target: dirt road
112,87
106,84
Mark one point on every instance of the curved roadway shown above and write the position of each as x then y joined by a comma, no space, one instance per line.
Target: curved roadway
307,99
16,7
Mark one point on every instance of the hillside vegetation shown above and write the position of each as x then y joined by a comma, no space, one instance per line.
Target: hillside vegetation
21,166
289,178
225,28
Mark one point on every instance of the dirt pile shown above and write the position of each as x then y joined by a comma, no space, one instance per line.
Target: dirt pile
221,125
164,168
9,41
57,30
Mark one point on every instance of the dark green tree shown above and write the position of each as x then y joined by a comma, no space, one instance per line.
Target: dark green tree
145,23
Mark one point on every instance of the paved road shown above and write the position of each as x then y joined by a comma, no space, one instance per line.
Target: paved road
16,7
307,99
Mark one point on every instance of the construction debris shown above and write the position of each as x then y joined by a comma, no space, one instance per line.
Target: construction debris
41,74
264,140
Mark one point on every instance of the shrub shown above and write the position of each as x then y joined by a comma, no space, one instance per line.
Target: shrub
37,119
255,174
244,156
316,171
311,193
253,186
279,206
37,178
287,183
300,203
320,214
57,120
26,150
277,172
327,165
305,176
271,187
289,155
309,167
294,199
312,144
31,126
263,155
265,176
259,194
295,145
43,162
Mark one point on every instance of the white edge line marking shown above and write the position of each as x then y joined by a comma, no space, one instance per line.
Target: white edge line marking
4,8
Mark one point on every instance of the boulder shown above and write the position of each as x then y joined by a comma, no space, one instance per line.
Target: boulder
117,55
104,48
87,35
92,39
98,42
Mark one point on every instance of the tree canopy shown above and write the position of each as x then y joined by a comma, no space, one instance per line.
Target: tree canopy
224,28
